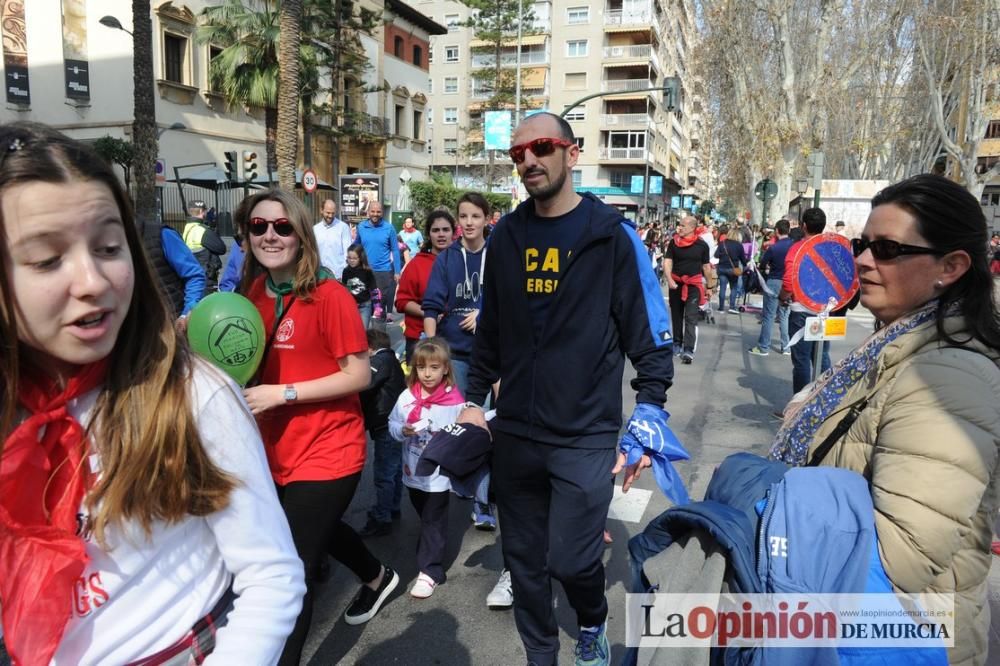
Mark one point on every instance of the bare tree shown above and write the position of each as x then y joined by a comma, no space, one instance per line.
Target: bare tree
959,56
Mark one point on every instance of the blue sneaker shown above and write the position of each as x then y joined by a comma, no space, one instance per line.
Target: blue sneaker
482,517
592,648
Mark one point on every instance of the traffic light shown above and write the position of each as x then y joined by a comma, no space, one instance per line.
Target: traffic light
232,173
249,165
671,93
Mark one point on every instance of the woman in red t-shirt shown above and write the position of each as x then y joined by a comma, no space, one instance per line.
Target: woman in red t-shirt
307,403
438,232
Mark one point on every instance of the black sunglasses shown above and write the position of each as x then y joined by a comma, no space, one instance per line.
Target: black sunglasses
884,249
539,148
282,227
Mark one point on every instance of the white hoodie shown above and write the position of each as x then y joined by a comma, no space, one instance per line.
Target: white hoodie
439,416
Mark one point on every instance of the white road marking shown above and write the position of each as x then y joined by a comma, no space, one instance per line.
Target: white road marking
629,507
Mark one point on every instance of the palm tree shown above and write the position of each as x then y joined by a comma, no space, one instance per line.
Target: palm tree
247,67
289,59
144,120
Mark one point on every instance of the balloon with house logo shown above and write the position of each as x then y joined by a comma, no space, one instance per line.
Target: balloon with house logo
227,330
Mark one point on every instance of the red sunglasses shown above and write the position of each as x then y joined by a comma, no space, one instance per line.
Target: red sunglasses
282,227
539,148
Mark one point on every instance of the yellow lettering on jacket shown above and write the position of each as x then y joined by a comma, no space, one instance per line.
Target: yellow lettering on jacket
551,262
531,259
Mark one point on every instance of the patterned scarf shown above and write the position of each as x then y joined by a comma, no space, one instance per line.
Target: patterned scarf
43,481
791,444
442,395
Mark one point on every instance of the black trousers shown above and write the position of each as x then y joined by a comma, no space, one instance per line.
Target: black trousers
553,504
433,511
684,318
314,510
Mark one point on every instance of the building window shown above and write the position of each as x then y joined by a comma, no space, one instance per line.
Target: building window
993,130
576,80
579,142
400,116
451,22
576,15
984,164
451,54
418,56
578,113
174,52
576,48
577,178
397,46
430,55
451,84
430,86
450,115
214,81
621,179
418,124
450,146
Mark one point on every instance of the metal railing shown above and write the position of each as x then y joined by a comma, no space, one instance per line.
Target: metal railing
224,200
625,119
359,121
628,52
623,153
630,17
510,59
625,85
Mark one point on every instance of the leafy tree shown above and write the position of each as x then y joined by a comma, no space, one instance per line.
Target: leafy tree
440,193
247,66
495,22
117,151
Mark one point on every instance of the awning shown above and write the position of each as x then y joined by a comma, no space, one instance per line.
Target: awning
641,62
526,40
628,28
475,136
533,77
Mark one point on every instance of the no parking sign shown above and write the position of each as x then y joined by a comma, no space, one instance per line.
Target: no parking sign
824,270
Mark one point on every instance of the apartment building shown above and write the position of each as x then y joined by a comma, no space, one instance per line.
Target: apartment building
633,149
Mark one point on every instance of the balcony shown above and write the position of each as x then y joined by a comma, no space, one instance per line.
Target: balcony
364,123
634,52
625,119
625,85
485,60
623,154
639,17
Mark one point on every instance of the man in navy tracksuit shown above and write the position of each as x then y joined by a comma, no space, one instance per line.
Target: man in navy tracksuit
569,293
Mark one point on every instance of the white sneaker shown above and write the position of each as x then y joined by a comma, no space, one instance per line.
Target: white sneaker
501,596
423,587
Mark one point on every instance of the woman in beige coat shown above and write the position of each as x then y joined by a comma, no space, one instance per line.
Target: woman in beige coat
927,385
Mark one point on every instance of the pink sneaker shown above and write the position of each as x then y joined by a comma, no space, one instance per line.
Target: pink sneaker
423,587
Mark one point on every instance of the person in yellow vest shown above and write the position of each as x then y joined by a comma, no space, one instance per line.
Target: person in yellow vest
204,242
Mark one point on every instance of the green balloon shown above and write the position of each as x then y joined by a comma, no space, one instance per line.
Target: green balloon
227,330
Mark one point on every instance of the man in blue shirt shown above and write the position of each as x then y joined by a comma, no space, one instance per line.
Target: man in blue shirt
772,262
187,286
379,240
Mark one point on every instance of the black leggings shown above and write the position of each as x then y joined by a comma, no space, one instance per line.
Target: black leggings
314,510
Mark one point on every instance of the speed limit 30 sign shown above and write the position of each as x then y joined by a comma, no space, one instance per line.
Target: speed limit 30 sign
309,181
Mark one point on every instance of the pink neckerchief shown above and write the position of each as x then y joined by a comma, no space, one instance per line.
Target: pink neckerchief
442,395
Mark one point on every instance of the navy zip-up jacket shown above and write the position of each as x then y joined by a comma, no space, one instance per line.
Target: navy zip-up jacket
563,385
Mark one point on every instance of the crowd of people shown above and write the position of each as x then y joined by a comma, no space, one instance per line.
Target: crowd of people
125,453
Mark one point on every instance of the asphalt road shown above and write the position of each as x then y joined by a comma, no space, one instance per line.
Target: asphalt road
720,404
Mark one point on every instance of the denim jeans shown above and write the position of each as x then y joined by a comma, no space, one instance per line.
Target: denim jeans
802,353
460,372
365,310
727,279
387,471
767,315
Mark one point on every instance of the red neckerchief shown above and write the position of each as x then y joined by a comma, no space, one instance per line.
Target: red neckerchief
43,481
685,241
442,395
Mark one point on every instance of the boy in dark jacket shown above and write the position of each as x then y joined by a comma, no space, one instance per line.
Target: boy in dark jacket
377,402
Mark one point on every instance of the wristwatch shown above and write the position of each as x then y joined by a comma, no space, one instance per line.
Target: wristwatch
291,395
